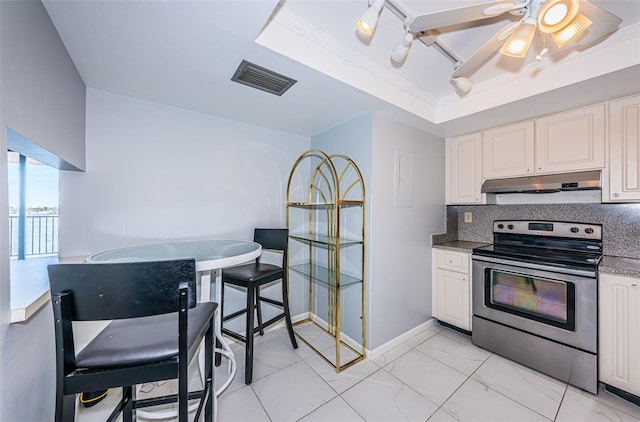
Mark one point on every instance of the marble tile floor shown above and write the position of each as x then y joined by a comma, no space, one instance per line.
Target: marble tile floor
437,375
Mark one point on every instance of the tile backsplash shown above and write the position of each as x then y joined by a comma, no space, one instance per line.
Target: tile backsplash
620,222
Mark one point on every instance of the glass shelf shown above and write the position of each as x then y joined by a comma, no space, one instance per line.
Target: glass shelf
322,205
322,240
321,274
326,222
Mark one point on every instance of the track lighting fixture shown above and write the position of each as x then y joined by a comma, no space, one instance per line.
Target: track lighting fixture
462,84
399,54
369,19
563,20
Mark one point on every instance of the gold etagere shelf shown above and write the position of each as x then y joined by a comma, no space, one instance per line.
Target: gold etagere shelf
326,222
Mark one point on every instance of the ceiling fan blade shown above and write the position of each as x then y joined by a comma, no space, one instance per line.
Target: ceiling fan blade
487,50
603,23
459,15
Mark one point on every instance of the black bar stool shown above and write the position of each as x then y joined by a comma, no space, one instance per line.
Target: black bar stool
251,277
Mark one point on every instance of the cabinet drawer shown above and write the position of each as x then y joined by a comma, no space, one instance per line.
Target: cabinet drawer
453,261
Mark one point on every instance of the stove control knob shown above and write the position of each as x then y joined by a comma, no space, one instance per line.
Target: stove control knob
510,226
588,230
574,230
501,226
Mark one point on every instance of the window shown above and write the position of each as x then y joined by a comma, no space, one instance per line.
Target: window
33,207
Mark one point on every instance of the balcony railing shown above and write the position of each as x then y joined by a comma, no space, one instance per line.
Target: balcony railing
41,235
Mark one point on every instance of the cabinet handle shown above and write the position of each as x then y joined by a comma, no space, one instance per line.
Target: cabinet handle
634,285
615,194
528,170
539,168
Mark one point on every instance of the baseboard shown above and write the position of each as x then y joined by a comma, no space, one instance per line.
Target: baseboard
380,350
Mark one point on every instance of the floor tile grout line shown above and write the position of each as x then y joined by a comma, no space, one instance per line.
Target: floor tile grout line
564,394
505,396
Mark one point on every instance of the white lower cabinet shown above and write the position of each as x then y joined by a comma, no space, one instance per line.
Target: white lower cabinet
451,289
619,327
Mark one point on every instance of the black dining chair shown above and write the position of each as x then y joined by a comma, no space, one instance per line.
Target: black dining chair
252,276
156,330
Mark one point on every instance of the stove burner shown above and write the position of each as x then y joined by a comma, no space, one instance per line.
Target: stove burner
560,244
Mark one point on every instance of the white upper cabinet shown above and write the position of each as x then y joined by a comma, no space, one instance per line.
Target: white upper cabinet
508,151
570,141
464,169
624,151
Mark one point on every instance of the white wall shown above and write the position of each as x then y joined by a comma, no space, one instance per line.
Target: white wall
398,252
400,256
160,173
42,98
352,139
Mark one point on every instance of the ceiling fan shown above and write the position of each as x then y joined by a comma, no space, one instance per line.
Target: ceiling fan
566,21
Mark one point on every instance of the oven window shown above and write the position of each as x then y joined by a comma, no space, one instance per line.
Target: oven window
541,299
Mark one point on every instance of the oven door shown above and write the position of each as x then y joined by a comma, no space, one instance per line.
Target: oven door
540,301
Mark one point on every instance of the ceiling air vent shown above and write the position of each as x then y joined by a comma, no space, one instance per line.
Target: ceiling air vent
261,78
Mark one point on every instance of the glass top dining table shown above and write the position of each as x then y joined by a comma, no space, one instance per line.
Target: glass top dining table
212,256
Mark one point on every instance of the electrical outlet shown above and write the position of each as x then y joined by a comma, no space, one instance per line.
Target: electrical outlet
468,217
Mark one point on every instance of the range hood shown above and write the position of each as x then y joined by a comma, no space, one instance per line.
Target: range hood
585,180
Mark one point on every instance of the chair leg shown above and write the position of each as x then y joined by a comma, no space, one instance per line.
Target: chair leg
287,313
65,407
218,359
248,352
208,370
259,310
128,395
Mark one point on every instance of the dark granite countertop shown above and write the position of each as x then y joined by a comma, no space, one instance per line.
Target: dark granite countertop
620,266
459,245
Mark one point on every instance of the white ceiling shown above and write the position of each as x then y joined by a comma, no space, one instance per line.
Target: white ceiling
183,53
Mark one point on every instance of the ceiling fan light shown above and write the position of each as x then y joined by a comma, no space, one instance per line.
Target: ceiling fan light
577,26
369,19
399,54
519,41
556,14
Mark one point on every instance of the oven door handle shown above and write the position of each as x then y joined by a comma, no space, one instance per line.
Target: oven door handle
570,271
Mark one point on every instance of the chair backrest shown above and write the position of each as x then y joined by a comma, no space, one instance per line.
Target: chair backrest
273,239
109,291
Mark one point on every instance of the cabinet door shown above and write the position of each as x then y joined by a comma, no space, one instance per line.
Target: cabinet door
464,171
624,150
619,320
570,141
453,298
508,151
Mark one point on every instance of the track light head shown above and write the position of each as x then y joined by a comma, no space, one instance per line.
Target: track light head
462,84
369,19
399,54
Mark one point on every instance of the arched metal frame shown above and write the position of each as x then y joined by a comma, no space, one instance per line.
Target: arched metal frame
334,184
